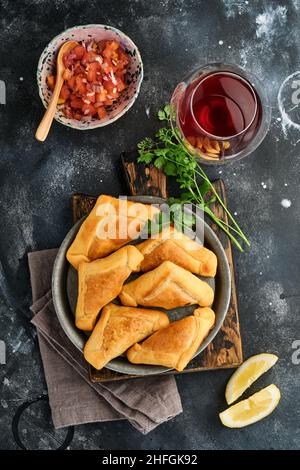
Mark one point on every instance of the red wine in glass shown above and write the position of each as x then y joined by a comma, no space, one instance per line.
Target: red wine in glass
219,113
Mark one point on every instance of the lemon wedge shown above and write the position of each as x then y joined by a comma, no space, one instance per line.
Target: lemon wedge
247,373
255,408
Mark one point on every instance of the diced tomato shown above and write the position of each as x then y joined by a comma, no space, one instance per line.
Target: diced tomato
120,73
88,57
101,45
72,83
110,48
114,45
88,110
112,63
109,86
90,96
79,69
107,66
123,56
76,103
68,59
51,80
120,84
80,86
68,112
112,90
93,68
94,45
101,112
79,51
93,79
64,93
73,96
67,74
123,59
107,53
108,102
77,115
102,95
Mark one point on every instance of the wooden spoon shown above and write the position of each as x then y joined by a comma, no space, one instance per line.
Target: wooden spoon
44,127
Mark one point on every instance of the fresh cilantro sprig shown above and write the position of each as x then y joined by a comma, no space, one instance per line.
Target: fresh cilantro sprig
168,153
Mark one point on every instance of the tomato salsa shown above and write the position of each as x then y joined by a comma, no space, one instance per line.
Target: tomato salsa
94,78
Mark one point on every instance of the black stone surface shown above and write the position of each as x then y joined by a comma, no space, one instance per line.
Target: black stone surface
36,181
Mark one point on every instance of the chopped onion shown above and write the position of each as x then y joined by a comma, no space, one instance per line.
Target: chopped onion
89,45
113,78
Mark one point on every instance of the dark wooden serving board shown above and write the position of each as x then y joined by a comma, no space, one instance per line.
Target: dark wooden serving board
225,351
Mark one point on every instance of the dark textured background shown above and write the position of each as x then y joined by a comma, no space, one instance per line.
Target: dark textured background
36,181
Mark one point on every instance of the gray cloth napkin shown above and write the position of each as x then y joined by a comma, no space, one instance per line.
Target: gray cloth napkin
73,399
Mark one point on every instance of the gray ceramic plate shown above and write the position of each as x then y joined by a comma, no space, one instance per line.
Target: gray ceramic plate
64,291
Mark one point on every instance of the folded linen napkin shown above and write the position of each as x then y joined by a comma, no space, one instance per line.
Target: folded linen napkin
73,399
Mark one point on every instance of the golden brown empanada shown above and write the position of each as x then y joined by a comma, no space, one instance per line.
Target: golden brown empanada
172,245
167,286
119,328
175,345
111,224
100,281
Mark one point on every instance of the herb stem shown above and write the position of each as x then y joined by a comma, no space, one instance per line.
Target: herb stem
170,153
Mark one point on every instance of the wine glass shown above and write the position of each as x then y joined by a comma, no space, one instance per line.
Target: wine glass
222,112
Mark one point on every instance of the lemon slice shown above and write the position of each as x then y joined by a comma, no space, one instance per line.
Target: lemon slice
255,408
247,373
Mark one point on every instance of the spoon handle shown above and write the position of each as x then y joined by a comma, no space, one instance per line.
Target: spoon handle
45,124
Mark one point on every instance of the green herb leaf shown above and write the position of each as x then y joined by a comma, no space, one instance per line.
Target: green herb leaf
188,220
145,158
210,201
161,152
159,162
205,187
167,110
145,144
169,153
161,115
170,169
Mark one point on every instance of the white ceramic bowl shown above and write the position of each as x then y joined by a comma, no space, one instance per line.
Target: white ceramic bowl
98,32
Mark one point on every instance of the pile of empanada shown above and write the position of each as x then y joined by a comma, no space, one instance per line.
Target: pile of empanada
170,263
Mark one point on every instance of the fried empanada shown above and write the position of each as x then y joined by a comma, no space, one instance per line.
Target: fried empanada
172,245
175,345
119,328
111,224
100,281
168,286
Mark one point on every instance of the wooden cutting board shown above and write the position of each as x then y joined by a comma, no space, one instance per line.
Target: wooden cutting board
225,351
